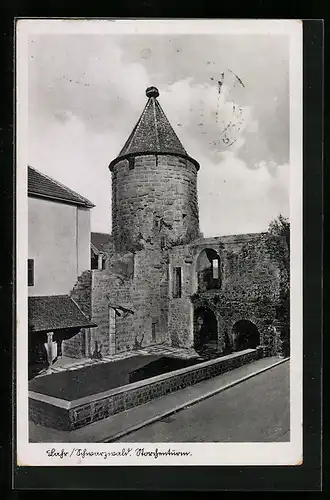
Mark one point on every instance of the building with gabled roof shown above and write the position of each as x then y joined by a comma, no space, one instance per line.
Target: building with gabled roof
44,187
59,251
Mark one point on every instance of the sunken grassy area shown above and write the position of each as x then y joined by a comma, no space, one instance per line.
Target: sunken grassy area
93,379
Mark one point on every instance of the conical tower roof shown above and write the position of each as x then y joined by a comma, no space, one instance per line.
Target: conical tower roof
153,133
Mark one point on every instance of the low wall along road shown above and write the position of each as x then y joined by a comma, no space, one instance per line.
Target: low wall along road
68,415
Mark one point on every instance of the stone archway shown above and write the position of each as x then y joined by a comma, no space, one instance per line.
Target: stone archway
208,272
205,328
245,335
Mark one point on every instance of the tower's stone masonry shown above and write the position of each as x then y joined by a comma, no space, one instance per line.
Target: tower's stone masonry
159,192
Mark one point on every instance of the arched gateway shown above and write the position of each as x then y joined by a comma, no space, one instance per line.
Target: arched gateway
205,328
245,335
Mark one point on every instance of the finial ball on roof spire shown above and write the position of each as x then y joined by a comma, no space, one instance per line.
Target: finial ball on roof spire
152,92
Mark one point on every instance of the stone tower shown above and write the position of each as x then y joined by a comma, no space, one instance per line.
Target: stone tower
154,185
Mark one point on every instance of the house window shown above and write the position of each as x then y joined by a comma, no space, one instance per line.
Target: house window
177,289
30,272
215,269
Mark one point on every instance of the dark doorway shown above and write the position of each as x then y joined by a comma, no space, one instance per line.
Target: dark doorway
205,327
38,361
245,335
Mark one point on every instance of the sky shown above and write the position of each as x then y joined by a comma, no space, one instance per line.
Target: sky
86,92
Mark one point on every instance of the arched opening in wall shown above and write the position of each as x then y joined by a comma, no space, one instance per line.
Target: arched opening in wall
245,335
205,328
208,270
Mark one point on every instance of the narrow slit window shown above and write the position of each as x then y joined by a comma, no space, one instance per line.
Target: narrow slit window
131,163
30,272
215,269
177,282
154,330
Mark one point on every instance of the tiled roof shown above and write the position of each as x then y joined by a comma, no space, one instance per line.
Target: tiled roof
42,186
153,133
55,312
99,240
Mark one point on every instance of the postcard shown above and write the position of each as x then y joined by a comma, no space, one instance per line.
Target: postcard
159,242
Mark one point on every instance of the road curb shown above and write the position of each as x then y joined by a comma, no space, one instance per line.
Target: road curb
192,402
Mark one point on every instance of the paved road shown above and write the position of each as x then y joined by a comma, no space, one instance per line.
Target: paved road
256,410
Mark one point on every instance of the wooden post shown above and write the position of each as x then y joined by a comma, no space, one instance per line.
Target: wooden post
50,348
99,262
59,347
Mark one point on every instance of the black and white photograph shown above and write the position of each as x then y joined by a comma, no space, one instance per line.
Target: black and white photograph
159,242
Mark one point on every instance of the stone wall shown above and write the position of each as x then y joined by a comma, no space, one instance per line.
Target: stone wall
142,284
250,285
180,316
150,296
110,290
90,409
249,270
160,191
78,346
139,285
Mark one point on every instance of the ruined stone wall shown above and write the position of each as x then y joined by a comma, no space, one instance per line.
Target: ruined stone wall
150,296
143,284
249,271
77,346
250,287
160,190
110,290
139,284
180,315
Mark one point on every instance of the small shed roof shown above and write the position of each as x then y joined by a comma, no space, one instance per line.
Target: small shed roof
55,312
